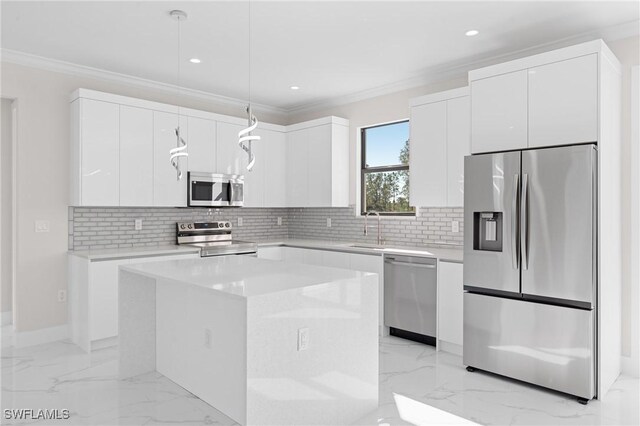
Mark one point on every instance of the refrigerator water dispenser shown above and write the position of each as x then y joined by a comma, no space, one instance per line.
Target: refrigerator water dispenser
487,231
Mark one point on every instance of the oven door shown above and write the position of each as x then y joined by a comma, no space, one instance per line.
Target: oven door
208,190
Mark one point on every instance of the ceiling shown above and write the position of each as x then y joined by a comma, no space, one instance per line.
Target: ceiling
329,49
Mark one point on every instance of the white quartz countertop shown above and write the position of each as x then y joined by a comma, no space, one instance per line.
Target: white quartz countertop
133,252
242,276
443,254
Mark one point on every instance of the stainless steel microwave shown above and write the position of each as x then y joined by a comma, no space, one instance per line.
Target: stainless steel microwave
215,190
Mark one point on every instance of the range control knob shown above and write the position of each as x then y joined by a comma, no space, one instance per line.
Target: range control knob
182,226
190,226
227,225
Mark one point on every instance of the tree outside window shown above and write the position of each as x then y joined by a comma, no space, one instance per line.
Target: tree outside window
385,169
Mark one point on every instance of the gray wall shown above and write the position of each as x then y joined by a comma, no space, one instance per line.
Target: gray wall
100,228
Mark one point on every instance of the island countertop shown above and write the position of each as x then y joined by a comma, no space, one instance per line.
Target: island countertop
242,276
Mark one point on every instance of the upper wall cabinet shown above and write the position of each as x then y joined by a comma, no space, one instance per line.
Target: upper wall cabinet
439,141
543,100
318,163
499,112
201,139
120,155
136,156
168,191
563,102
96,144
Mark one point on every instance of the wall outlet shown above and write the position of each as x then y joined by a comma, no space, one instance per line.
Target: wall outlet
239,221
328,222
455,226
42,226
279,221
138,224
208,338
62,296
303,339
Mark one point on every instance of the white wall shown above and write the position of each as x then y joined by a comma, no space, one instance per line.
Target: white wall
5,205
43,180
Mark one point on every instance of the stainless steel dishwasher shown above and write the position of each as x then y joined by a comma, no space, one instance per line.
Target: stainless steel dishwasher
410,286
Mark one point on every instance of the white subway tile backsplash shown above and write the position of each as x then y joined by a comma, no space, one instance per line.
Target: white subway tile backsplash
108,227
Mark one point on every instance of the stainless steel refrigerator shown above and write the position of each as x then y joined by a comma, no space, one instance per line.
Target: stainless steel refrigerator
530,274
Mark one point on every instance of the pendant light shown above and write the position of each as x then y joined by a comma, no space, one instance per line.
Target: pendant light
245,138
181,145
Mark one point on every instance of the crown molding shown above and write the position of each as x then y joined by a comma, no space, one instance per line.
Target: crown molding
460,69
425,77
54,65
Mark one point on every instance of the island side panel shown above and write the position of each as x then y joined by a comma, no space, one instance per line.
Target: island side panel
136,324
201,344
333,381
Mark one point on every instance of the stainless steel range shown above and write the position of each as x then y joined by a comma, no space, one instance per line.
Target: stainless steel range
213,238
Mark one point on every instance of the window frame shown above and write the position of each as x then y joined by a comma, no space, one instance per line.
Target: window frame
364,170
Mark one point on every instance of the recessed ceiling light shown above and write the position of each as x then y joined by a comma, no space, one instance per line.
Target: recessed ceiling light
195,60
294,87
471,33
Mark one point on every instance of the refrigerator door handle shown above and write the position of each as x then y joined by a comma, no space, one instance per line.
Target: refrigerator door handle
524,236
514,222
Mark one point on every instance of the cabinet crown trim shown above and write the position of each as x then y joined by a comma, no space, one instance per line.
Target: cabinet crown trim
459,92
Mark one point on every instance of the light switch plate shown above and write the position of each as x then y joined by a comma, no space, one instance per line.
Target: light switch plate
42,226
138,224
240,221
455,226
328,222
279,221
208,338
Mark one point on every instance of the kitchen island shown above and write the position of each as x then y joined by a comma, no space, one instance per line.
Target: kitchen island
264,342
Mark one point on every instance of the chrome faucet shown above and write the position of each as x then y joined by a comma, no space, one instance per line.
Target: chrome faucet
366,225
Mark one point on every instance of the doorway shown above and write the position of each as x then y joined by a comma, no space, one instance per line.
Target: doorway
7,230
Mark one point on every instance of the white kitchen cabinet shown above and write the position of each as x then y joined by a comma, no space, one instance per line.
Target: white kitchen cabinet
499,112
458,146
318,163
136,156
98,144
296,166
201,140
231,159
450,308
440,138
375,264
428,160
271,253
93,296
168,191
274,154
563,102
254,185
335,259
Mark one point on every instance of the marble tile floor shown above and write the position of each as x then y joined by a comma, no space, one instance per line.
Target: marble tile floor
418,386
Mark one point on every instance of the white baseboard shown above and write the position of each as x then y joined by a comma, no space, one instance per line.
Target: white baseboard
7,318
630,366
450,347
23,339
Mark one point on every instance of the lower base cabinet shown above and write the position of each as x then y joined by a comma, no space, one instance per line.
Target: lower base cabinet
93,296
333,259
450,307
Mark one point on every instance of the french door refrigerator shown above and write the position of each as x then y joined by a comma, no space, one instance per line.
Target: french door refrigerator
530,266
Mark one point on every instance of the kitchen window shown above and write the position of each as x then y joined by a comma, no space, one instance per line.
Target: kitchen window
385,169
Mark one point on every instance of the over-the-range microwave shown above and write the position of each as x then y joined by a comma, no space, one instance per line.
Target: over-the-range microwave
214,190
